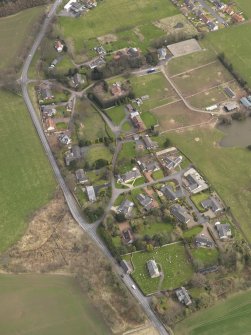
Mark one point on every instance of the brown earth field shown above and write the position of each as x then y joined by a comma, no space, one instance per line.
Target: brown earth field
176,115
55,244
202,79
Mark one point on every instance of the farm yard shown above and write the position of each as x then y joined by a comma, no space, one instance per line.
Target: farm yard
46,304
119,19
201,146
24,189
173,262
177,115
15,30
229,317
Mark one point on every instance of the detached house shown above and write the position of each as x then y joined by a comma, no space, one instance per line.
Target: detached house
180,213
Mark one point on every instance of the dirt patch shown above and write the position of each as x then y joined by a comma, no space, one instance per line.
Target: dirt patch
176,24
138,34
176,116
54,243
109,38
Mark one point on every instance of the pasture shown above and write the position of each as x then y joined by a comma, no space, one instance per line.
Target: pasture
173,262
228,317
176,115
204,152
117,17
15,30
27,181
234,42
202,79
46,305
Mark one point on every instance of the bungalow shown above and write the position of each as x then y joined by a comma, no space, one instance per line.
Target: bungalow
145,201
73,155
81,177
180,213
91,193
224,230
169,193
150,145
213,204
50,124
125,208
130,176
126,267
148,164
183,296
153,269
170,163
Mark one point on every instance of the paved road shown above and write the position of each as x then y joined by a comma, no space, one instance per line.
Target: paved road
75,211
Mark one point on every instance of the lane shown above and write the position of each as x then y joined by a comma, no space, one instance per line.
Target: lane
73,207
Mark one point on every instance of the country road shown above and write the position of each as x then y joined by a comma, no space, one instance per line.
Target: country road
73,207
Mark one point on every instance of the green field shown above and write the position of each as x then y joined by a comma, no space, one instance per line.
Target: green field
198,198
234,42
229,317
205,256
119,18
14,31
46,305
27,181
192,232
98,151
157,228
174,264
219,166
156,86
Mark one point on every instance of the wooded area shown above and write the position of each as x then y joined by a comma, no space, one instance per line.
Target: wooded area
9,7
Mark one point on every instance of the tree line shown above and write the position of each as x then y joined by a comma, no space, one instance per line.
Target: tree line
9,7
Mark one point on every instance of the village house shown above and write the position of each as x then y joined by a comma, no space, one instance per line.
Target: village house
148,164
153,269
145,201
169,158
127,236
183,296
50,124
91,193
81,176
180,213
125,208
169,193
201,241
59,46
130,176
224,230
213,204
194,182
126,267
150,145
73,155
64,139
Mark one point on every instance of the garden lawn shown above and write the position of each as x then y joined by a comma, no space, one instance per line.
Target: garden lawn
205,256
198,198
98,151
228,317
157,228
158,175
174,263
116,114
14,32
27,181
46,305
220,168
192,232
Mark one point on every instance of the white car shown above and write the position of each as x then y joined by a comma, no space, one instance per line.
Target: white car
134,287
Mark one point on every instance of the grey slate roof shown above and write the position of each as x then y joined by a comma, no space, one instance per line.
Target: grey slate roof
211,203
180,213
153,268
168,192
183,296
144,200
125,207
